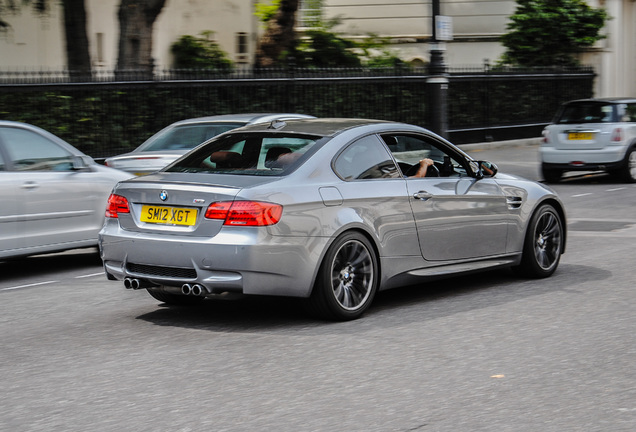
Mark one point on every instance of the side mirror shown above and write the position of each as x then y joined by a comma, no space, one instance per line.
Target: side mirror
487,169
80,163
483,169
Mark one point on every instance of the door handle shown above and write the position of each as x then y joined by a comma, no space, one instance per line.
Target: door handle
422,195
30,185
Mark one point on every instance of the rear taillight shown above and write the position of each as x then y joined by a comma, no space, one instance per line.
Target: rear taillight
545,134
245,213
617,135
116,204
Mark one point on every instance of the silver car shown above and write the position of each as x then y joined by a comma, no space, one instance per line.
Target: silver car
53,196
331,210
591,135
175,140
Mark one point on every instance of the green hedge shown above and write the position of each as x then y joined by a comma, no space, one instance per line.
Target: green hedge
103,119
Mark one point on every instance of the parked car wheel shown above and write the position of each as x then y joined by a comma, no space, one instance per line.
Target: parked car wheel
628,172
347,280
551,175
174,299
543,244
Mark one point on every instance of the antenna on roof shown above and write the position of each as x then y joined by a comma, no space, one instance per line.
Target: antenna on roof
277,124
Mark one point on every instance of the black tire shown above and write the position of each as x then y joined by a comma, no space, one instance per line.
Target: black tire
347,279
628,172
174,299
543,244
551,175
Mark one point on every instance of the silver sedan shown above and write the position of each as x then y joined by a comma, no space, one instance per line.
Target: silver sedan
331,210
52,195
173,141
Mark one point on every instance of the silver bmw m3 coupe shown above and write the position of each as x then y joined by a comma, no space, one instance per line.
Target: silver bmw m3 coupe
331,210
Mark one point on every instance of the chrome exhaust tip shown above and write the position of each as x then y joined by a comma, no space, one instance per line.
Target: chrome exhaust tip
186,289
128,283
197,290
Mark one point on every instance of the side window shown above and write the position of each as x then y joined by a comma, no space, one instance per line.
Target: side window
630,112
30,151
409,150
366,158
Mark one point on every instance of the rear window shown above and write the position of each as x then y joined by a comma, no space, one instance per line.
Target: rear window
186,137
248,154
587,112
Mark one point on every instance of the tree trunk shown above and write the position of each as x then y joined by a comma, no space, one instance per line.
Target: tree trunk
136,20
78,59
279,37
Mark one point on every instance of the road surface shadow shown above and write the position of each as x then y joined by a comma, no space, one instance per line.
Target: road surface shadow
418,303
37,265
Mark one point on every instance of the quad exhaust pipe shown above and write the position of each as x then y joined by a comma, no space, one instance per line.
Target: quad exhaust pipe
186,289
195,290
135,284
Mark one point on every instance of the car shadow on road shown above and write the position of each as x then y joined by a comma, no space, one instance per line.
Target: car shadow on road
400,306
36,265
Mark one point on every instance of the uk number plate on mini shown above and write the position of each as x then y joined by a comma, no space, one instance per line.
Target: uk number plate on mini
580,136
168,215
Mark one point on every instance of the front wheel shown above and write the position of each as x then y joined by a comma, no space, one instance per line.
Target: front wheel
347,279
543,243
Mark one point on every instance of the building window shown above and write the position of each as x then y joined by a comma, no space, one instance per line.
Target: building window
310,13
242,48
100,48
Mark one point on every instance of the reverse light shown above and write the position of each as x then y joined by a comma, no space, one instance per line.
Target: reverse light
546,134
116,204
617,135
245,213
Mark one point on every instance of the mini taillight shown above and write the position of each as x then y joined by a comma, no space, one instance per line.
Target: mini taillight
546,134
116,204
617,135
245,213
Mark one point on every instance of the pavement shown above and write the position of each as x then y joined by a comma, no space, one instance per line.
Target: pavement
523,142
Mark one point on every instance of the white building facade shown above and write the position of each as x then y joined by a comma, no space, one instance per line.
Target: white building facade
37,42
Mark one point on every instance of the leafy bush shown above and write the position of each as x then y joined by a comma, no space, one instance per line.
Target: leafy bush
192,52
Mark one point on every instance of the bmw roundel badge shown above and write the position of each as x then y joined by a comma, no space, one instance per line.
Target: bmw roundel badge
163,195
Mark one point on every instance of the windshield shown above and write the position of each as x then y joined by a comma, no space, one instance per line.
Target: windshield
248,154
587,112
186,137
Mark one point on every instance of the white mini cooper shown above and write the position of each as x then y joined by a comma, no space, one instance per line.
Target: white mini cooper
591,135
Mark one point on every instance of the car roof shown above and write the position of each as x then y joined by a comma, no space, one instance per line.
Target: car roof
317,126
606,100
242,118
43,132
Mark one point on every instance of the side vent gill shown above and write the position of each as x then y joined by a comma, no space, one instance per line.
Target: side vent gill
514,202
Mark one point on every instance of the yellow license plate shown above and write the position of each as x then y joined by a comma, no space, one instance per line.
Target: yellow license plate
168,215
580,136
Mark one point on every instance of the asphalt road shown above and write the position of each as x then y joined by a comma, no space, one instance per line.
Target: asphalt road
487,352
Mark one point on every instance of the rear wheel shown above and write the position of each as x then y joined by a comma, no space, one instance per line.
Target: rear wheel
347,280
551,175
628,173
173,299
543,244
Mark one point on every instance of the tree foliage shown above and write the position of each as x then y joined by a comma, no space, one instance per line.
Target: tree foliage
191,52
551,32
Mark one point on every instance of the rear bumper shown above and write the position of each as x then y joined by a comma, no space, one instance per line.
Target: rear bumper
589,160
248,261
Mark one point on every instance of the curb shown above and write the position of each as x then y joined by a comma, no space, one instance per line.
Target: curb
501,144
